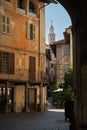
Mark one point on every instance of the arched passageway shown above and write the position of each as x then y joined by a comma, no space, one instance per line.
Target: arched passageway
77,10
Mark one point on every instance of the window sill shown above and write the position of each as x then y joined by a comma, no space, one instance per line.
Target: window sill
4,33
20,11
31,14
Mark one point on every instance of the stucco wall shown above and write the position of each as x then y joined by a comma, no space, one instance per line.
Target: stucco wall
19,98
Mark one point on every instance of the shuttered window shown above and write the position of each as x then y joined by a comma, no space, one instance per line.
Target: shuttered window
66,51
31,31
5,24
11,63
0,61
6,62
32,69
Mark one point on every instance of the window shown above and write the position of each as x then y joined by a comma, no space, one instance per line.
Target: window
21,4
51,65
52,79
6,62
51,72
66,58
31,7
31,31
66,51
5,24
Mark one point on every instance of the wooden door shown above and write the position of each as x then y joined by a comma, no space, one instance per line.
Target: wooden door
32,99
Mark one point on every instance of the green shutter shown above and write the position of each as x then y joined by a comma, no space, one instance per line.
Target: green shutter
28,33
33,31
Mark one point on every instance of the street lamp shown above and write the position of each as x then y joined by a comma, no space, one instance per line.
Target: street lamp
39,18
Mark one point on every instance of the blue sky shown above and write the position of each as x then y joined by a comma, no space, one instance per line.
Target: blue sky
60,18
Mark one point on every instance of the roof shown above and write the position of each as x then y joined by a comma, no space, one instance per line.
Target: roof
60,42
54,44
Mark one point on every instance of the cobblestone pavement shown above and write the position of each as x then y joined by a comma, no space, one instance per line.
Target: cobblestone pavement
50,120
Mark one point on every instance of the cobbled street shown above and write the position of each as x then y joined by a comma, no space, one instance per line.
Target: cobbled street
50,120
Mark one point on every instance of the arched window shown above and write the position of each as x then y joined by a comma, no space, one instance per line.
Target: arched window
31,7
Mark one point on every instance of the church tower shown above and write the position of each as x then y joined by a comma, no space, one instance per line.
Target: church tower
51,35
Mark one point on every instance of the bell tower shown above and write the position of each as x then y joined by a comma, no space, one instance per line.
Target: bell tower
51,35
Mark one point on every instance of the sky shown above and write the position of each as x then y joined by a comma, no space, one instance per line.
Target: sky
61,20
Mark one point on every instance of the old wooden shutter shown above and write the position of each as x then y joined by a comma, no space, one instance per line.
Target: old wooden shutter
32,70
3,24
8,25
28,31
33,31
11,63
5,62
0,61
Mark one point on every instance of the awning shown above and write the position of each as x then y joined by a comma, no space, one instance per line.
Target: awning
58,90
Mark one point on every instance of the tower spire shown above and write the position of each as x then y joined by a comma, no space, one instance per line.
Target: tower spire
51,35
51,22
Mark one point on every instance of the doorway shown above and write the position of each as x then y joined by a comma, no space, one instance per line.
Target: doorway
32,99
6,99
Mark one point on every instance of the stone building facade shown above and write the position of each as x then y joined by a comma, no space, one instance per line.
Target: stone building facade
63,51
63,59
22,67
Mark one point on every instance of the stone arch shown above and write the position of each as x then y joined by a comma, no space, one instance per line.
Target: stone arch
77,11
